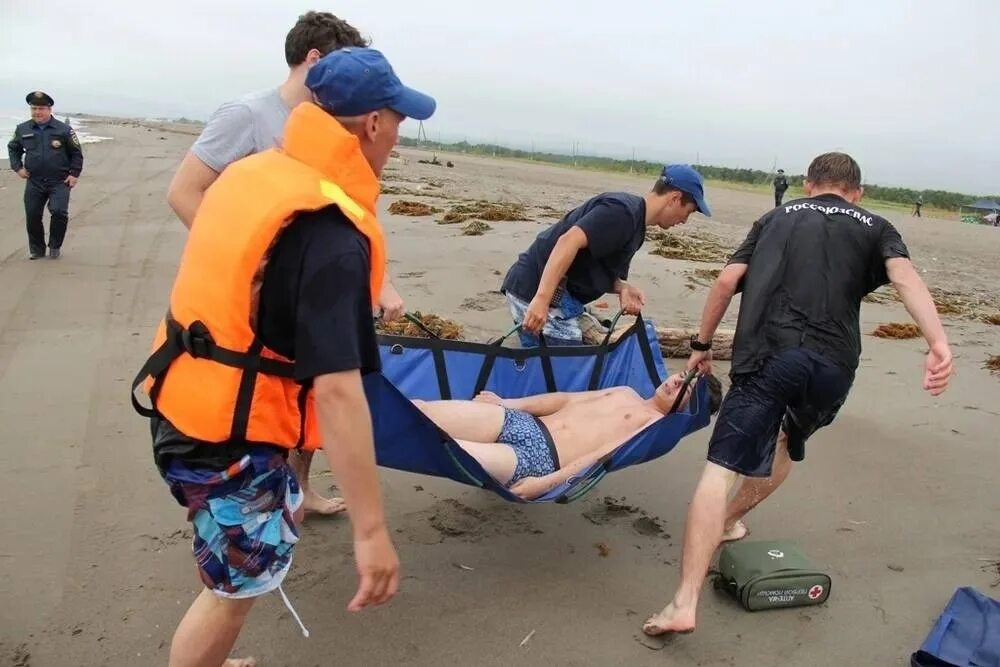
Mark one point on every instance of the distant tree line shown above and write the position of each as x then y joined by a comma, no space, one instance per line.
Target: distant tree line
936,198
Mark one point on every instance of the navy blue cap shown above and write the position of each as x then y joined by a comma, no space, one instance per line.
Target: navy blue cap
39,99
687,180
354,81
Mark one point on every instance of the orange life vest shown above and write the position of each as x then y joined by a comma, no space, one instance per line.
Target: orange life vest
209,374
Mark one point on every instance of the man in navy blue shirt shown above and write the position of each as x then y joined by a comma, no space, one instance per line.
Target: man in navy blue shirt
46,153
587,255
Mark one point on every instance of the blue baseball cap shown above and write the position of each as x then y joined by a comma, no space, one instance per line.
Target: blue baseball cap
354,81
686,179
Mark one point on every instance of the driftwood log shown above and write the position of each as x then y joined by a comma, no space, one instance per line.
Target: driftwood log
674,343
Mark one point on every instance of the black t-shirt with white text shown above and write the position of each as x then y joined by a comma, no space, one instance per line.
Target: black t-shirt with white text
809,264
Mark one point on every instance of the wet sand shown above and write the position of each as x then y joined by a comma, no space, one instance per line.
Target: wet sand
95,564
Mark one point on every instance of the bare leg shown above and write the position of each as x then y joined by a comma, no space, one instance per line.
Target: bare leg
312,502
497,458
754,490
208,631
466,420
701,538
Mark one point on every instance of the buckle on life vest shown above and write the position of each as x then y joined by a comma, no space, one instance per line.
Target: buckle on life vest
197,340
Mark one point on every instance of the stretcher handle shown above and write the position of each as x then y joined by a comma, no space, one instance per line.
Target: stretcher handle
410,317
614,323
517,327
541,337
413,319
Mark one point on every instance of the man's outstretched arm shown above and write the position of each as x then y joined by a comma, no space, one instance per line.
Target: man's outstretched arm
560,259
719,298
920,305
346,427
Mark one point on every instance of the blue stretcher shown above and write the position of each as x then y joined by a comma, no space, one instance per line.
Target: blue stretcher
432,369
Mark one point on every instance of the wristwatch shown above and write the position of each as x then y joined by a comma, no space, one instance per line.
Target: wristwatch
698,346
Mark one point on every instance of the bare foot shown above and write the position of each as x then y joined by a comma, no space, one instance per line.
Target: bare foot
735,532
313,503
670,620
240,662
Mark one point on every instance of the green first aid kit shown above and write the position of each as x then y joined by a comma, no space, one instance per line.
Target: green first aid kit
771,575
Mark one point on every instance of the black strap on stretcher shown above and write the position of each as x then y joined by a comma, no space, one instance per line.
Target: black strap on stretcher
488,362
197,341
493,350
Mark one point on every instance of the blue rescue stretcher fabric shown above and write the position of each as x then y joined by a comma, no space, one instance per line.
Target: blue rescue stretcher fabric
966,634
433,369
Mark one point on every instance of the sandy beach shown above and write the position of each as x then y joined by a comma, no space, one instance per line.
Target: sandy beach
898,500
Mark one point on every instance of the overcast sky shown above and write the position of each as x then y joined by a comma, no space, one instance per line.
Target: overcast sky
910,87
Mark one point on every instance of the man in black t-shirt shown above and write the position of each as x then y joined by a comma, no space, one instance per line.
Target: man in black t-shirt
587,255
803,270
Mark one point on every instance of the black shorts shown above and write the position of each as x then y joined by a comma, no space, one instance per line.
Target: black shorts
798,390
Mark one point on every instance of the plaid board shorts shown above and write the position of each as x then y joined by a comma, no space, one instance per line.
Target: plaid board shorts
562,326
244,532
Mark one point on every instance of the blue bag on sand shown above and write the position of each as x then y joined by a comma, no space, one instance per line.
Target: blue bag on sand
967,634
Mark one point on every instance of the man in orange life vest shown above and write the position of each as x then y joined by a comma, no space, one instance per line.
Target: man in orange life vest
262,350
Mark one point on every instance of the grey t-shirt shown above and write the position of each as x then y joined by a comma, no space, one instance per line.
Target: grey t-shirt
248,125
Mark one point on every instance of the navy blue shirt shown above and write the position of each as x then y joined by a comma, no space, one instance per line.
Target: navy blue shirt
50,152
809,264
615,225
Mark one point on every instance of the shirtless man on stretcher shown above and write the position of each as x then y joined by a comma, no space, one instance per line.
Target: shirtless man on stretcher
533,444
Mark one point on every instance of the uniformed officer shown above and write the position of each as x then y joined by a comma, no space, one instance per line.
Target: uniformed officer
780,186
45,152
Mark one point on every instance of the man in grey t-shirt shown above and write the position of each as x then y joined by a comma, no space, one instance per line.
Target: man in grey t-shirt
255,123
248,125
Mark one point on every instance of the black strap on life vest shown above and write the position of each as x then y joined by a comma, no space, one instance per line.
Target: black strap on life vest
197,341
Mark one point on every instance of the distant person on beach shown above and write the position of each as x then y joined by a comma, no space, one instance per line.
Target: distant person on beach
532,445
917,205
803,271
264,345
253,124
780,187
588,253
46,153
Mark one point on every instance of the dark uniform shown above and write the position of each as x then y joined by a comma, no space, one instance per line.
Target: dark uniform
780,186
49,153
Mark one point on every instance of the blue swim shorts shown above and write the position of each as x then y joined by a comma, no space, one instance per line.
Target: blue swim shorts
244,532
797,390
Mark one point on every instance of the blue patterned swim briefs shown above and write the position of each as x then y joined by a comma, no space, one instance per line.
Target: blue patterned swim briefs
531,442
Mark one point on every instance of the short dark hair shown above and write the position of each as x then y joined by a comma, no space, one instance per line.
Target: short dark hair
661,188
837,169
714,393
321,31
